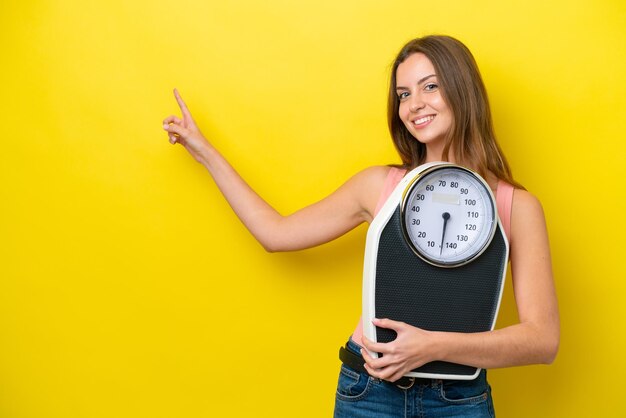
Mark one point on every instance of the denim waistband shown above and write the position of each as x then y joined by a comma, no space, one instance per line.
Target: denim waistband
354,347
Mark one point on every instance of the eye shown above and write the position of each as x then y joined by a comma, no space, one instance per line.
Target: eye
403,95
431,87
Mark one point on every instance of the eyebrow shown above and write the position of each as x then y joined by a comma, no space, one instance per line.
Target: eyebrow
420,81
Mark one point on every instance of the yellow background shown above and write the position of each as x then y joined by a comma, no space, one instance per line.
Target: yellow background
129,289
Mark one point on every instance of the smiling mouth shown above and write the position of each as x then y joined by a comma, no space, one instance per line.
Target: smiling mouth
423,120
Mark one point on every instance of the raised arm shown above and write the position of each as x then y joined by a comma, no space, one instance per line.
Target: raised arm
333,216
535,339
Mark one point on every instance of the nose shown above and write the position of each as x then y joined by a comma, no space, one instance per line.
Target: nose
416,103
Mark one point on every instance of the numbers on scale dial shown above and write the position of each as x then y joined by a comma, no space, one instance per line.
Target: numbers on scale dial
449,214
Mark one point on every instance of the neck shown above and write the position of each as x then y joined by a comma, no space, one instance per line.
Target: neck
434,152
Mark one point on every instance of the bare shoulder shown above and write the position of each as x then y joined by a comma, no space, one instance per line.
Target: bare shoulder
526,204
527,217
374,174
367,185
371,178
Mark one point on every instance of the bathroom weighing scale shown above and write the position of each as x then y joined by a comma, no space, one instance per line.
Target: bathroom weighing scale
435,257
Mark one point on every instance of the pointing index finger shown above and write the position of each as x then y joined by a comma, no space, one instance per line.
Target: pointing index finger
181,103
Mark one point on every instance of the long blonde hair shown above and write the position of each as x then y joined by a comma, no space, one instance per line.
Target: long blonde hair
472,136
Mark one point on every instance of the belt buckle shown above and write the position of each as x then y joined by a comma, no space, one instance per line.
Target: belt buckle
409,386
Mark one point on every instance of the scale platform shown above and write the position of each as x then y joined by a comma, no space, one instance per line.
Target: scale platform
401,286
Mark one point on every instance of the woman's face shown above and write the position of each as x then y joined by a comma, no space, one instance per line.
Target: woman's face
422,108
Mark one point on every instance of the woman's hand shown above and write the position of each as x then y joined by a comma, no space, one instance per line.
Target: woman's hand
412,348
185,131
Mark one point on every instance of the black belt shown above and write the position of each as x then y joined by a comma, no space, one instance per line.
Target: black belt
356,362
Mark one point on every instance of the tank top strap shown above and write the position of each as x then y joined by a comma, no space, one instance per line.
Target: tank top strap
393,178
504,202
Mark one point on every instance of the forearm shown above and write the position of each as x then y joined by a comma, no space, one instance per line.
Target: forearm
524,343
260,218
515,345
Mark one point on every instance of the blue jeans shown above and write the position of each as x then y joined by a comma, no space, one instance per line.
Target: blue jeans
362,396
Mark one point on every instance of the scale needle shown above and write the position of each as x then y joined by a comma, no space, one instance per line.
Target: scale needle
445,217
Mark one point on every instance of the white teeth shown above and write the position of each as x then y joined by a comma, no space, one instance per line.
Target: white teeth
423,120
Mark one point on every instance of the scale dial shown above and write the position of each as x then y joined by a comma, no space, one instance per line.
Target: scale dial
449,215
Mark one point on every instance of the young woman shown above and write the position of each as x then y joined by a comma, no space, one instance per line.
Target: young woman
437,110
